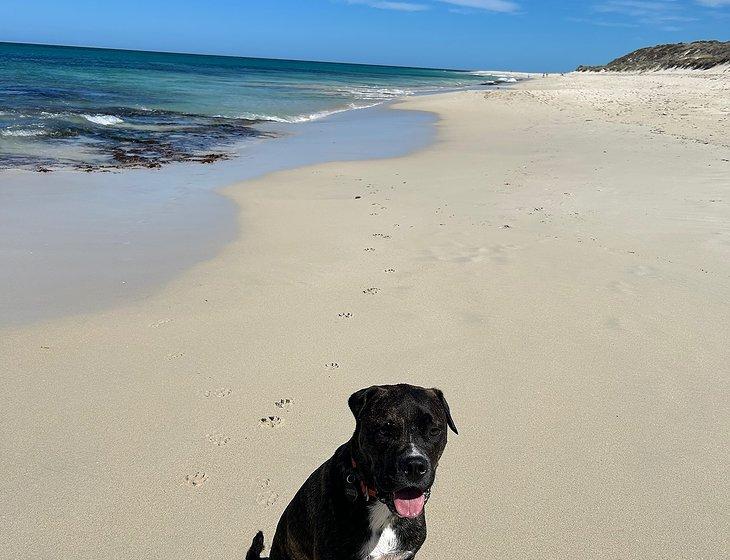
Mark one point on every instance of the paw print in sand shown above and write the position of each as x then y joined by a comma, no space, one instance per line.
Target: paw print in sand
219,440
284,404
221,393
197,479
267,499
270,421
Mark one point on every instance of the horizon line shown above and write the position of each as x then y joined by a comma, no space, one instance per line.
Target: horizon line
94,47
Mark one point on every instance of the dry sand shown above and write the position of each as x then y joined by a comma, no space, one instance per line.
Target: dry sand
558,263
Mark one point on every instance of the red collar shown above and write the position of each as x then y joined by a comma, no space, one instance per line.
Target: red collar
366,491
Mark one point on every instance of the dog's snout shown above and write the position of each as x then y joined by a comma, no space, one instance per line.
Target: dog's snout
414,467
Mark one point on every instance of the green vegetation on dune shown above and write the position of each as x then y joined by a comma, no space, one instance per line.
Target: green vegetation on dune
699,55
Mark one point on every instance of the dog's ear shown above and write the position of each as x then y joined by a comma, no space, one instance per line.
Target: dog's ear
447,410
359,399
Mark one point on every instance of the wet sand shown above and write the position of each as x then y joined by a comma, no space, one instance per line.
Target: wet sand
73,242
558,262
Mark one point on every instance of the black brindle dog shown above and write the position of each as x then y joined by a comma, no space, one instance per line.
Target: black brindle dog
367,501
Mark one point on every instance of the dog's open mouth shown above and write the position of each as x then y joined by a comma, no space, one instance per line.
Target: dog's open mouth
409,502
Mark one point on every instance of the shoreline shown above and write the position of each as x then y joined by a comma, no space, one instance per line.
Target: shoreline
556,262
149,226
116,274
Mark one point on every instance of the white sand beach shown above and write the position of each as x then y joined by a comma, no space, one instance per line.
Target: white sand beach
557,262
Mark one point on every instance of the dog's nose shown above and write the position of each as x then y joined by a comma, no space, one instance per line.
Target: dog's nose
414,467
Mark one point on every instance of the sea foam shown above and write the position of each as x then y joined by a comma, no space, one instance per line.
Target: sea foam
304,117
104,120
21,132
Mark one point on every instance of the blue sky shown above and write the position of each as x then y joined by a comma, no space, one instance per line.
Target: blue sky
527,35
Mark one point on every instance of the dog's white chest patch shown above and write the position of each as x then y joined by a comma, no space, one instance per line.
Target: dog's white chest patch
383,543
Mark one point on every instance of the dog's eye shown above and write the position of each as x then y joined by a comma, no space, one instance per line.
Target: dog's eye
435,431
387,430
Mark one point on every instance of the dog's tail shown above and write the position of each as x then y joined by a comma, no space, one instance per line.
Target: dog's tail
257,547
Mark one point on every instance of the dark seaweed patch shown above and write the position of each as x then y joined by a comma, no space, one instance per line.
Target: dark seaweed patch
141,139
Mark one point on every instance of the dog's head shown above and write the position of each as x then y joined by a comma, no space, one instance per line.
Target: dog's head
399,437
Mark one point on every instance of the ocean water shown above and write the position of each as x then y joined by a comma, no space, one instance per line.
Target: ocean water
97,109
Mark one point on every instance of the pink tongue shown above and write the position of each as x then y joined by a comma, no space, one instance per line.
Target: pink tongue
409,503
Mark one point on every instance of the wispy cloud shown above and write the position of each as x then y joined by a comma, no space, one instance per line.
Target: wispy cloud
490,5
714,3
462,6
665,14
602,22
387,5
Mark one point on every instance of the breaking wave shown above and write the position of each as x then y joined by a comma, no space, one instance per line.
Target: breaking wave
303,117
104,120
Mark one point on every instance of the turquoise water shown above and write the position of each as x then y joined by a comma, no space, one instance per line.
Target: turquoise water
99,108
